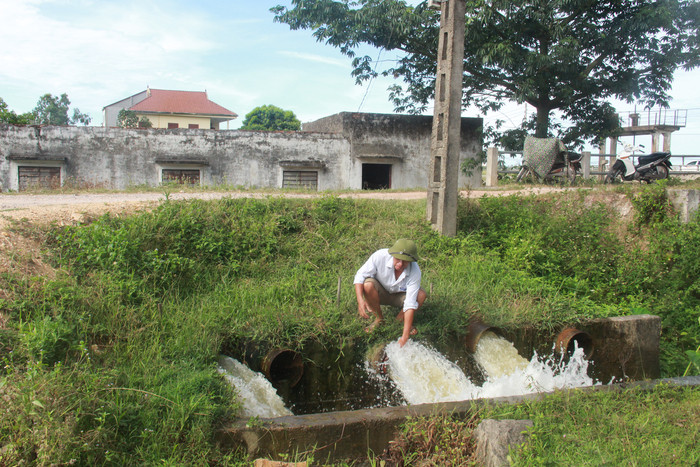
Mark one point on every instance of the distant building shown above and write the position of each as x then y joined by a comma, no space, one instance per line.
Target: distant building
345,151
171,109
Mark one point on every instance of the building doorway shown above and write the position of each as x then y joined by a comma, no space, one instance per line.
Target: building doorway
376,176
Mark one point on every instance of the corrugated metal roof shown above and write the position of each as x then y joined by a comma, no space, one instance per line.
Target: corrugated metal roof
184,102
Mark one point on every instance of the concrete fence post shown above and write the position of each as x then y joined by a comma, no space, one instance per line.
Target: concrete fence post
586,164
492,167
602,162
667,141
443,189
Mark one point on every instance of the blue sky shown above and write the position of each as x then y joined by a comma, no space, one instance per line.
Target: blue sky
99,52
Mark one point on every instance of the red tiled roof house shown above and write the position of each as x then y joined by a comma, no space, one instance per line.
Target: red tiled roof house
171,109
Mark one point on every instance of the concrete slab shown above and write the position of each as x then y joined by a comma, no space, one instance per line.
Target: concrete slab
686,202
495,439
354,434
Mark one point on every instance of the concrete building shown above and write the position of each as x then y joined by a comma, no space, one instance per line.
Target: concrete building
171,109
393,151
343,151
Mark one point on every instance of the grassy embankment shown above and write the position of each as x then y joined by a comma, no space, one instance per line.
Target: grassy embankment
113,362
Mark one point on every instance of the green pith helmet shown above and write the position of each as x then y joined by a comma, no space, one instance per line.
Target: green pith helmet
405,250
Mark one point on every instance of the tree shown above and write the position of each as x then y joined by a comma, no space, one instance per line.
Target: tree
51,110
79,117
128,119
569,56
270,118
9,116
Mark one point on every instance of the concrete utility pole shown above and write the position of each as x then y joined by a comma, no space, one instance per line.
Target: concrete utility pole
447,119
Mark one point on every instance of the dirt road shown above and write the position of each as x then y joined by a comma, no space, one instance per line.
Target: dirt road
64,208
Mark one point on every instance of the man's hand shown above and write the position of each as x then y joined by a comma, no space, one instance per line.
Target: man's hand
408,330
362,310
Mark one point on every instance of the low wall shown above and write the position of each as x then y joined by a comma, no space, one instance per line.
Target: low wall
354,434
685,202
334,151
118,158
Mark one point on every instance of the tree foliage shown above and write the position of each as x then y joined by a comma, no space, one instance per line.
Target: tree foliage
569,56
53,110
128,119
270,118
9,116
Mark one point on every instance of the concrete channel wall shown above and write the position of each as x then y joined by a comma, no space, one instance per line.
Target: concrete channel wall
625,346
355,434
621,348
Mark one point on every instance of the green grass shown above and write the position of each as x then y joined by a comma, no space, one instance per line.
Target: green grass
627,427
633,426
113,361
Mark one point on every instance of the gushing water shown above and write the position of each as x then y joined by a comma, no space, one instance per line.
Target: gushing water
423,375
498,357
537,375
258,397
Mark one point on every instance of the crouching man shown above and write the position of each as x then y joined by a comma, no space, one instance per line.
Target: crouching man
391,276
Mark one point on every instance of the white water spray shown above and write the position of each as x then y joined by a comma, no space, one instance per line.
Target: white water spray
498,357
509,374
423,375
258,397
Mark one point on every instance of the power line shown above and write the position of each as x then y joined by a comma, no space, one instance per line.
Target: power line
371,79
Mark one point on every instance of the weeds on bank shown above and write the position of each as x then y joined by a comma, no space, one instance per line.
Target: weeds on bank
269,269
85,413
113,361
435,440
632,426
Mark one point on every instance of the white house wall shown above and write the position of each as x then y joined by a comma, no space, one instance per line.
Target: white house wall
111,112
183,121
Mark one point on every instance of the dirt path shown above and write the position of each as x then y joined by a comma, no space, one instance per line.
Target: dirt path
71,208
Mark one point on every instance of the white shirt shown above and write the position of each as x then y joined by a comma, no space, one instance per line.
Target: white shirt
380,266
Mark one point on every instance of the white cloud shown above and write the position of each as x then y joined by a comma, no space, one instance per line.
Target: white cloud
342,63
99,49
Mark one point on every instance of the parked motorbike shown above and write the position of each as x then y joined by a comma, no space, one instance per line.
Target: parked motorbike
547,158
651,167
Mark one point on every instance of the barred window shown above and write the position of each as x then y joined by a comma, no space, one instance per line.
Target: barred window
307,179
181,176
